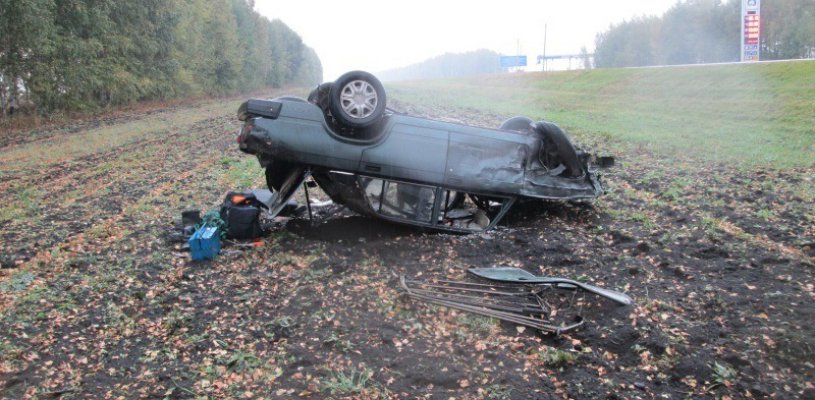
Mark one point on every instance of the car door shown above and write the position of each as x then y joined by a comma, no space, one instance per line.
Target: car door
413,150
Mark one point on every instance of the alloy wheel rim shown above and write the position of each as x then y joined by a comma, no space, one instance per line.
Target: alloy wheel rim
358,99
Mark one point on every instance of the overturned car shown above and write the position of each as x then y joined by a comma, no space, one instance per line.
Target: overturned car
417,171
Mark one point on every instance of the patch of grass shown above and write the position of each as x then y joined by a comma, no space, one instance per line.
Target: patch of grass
676,190
24,203
556,358
109,137
11,213
312,274
712,227
278,328
241,361
700,112
104,167
479,325
245,174
343,345
30,197
765,214
176,320
646,221
322,315
18,282
97,231
669,237
498,392
347,382
118,320
650,176
723,374
227,161
286,258
615,214
9,354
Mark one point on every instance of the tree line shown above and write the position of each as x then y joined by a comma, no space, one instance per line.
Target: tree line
87,54
447,65
706,31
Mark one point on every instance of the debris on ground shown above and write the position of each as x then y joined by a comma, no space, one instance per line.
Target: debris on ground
541,307
519,276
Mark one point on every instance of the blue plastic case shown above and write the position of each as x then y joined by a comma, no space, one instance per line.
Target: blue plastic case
205,243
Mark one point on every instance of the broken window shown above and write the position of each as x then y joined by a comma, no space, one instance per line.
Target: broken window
432,205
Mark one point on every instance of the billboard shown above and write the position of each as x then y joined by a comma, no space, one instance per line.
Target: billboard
513,61
750,29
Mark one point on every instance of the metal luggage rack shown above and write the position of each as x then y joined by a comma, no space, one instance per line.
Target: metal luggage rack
542,307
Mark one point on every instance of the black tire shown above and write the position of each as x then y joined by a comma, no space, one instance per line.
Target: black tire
319,96
357,99
558,149
517,124
276,173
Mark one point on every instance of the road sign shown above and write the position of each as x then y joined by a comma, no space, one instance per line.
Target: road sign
750,29
513,61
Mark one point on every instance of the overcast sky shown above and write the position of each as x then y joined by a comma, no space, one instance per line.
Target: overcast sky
377,35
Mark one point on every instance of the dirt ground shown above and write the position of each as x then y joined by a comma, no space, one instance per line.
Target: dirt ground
98,300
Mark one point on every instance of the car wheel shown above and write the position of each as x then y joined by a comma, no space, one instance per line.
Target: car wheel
319,96
517,124
276,174
357,99
558,149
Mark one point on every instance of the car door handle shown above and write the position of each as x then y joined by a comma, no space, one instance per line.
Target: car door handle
373,168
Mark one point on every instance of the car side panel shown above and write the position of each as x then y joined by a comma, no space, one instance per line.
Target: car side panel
485,160
299,135
409,151
416,149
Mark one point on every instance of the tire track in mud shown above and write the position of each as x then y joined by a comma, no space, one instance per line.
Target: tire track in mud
158,279
59,220
732,229
738,224
45,173
24,137
747,283
109,224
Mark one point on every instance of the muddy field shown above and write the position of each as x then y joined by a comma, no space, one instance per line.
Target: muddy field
98,299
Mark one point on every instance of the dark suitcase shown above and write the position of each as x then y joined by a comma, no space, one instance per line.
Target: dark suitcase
241,213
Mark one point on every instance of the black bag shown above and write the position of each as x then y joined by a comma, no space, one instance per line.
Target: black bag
241,213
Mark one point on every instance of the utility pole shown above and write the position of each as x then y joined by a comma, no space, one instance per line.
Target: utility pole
741,36
544,47
517,49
